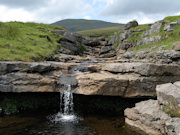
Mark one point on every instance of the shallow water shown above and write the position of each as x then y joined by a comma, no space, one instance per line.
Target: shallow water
51,123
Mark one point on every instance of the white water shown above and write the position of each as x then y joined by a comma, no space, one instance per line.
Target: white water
66,113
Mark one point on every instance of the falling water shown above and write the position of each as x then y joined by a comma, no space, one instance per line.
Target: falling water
66,113
66,101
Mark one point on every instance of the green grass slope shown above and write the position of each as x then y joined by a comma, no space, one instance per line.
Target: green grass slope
99,32
82,24
27,41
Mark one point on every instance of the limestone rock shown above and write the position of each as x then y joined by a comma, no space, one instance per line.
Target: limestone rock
155,28
149,40
128,26
176,46
144,69
126,45
169,94
125,35
170,26
173,126
25,82
147,116
105,49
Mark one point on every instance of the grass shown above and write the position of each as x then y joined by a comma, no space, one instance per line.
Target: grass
172,110
27,41
99,32
172,18
166,42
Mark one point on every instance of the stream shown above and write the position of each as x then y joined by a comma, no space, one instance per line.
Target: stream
65,120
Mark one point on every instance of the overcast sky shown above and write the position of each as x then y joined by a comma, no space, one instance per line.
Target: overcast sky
121,11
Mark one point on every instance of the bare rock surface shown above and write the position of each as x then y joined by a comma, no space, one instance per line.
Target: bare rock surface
147,116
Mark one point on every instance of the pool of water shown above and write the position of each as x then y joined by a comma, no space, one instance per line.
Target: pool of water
53,123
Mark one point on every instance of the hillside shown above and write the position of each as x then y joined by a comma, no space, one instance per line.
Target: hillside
99,32
82,24
27,41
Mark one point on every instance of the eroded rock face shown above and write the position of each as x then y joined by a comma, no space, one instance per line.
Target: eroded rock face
147,116
149,40
31,77
127,79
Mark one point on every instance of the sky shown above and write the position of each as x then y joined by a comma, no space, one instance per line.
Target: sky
119,11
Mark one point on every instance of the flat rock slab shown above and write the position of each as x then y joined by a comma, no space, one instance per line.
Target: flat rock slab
169,94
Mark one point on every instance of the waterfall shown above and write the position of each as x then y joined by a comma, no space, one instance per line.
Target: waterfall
66,101
66,113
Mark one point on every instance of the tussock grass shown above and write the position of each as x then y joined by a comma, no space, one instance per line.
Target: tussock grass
27,41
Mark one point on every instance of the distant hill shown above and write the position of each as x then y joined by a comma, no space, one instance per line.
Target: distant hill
82,24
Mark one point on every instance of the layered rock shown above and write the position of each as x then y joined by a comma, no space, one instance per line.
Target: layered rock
126,79
31,77
147,116
150,117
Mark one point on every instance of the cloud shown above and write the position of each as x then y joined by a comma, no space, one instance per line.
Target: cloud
143,10
49,12
87,17
15,14
27,4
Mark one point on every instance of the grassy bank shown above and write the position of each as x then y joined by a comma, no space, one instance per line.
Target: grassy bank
99,32
27,41
168,37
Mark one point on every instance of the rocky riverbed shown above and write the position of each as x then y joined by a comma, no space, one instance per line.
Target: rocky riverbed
92,66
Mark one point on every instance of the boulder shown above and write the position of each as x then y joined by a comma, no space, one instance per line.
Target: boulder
105,49
149,40
69,37
125,35
126,45
73,47
147,116
170,26
169,94
128,26
176,46
155,28
61,32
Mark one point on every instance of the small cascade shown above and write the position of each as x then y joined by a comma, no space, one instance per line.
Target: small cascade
66,101
66,113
